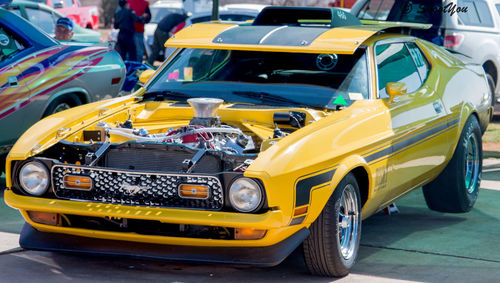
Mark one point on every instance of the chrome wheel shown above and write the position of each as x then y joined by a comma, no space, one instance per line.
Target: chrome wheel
348,221
471,163
61,107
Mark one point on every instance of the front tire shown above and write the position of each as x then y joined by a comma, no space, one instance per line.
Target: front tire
457,187
62,103
332,247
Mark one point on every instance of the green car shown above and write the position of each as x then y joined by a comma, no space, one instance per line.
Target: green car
45,18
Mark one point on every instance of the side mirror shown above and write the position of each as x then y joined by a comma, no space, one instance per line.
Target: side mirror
146,75
395,89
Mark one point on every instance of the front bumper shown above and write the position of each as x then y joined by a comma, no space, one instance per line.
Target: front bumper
273,221
260,256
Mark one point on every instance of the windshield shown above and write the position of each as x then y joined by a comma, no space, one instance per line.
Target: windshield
157,14
269,78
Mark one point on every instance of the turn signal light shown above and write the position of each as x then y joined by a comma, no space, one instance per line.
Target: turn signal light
193,191
44,217
300,210
72,182
248,234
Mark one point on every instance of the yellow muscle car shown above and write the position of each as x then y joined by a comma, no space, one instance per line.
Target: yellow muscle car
253,138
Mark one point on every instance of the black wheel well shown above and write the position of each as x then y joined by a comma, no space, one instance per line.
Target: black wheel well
81,96
363,183
490,68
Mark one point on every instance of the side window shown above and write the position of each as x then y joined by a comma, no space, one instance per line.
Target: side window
68,3
42,19
376,10
478,13
395,64
9,46
420,60
498,8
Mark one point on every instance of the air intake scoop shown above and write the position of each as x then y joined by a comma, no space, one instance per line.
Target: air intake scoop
205,111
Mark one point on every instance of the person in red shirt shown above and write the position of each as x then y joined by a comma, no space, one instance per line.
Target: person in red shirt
141,9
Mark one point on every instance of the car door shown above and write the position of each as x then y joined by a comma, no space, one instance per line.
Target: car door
418,118
12,90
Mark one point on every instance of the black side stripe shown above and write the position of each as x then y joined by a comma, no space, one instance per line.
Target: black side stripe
450,121
406,143
304,186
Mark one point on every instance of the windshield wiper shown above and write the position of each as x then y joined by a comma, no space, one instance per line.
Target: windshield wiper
164,94
266,97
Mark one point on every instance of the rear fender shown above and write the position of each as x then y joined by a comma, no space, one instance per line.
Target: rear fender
80,92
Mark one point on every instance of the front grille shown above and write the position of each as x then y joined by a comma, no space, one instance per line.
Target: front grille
136,188
159,160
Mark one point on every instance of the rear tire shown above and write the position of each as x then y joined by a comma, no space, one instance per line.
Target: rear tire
332,247
62,103
457,187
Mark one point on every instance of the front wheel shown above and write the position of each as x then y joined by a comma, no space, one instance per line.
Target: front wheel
62,103
332,247
457,187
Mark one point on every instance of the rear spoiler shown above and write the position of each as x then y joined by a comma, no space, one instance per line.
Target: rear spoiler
396,27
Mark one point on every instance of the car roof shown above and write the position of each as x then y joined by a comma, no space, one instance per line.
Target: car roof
245,12
345,38
168,4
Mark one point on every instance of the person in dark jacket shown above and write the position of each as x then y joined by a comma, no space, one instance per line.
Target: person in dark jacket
163,32
124,21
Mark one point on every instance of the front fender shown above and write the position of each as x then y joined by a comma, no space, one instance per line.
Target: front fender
320,197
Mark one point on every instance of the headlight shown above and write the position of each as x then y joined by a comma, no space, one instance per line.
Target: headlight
34,178
245,195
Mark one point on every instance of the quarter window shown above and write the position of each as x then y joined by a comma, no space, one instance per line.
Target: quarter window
395,64
420,61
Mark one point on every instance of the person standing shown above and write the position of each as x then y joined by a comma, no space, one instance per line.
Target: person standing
164,31
64,29
141,9
124,21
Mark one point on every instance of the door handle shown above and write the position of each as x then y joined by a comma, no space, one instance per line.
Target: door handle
13,81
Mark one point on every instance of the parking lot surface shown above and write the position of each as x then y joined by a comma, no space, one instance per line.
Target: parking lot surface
414,245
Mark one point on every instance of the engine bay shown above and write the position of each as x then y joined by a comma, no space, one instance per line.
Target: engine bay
204,143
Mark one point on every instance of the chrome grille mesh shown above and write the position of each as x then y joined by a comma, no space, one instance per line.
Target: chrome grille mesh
137,188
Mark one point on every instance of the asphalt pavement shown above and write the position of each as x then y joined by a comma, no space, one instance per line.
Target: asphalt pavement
414,245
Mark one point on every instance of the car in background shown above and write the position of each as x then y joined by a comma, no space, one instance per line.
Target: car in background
244,6
40,76
84,16
255,139
474,33
45,18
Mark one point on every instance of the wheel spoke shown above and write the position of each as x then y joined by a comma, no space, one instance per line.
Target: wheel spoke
348,221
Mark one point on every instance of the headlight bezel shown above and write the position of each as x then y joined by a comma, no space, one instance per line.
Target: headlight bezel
258,185
20,182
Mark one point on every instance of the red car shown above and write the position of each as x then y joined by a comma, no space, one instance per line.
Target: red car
85,16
